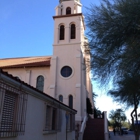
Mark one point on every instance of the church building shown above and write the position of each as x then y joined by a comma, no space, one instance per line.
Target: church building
65,75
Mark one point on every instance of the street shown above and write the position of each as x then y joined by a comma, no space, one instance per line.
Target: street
129,136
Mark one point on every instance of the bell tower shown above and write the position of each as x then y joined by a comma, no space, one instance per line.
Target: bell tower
68,76
69,22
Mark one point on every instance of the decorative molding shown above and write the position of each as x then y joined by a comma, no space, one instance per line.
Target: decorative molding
70,15
67,44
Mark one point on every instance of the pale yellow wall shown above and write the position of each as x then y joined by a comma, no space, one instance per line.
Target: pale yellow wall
29,75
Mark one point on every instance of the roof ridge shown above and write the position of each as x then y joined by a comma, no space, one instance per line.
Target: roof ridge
24,57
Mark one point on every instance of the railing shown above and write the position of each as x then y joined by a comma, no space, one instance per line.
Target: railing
83,126
106,132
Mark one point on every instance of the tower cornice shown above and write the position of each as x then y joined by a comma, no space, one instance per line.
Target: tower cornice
70,15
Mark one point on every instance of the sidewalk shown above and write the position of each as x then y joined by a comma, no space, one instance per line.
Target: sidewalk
119,137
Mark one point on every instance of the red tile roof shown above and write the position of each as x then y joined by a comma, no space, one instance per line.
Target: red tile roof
25,62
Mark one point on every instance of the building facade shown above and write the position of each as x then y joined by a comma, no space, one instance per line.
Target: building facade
65,75
27,113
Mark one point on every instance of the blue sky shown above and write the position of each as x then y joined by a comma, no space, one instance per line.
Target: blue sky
27,29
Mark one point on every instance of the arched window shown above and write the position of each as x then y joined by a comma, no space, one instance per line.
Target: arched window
40,83
62,32
73,31
68,10
71,101
60,98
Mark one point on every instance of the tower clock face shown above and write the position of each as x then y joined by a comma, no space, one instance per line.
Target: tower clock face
66,71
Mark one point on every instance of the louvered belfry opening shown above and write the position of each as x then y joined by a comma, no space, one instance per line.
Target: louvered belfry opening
13,106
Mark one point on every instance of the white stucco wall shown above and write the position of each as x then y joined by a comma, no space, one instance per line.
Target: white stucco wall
61,8
71,85
35,122
66,21
69,52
